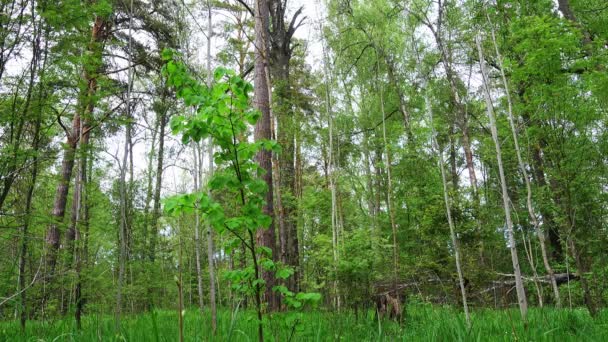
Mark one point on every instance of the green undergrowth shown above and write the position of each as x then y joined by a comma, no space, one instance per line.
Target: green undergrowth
423,323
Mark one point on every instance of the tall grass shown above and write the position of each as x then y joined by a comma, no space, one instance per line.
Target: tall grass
423,323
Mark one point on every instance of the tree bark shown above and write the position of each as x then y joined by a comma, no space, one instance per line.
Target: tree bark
197,223
448,210
389,192
210,248
266,236
522,167
519,286
162,118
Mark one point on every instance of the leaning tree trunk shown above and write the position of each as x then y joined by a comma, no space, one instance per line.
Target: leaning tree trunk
448,210
524,172
519,286
53,233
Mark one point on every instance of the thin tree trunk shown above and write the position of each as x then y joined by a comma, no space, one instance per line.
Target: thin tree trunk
331,175
36,55
180,283
210,248
197,223
389,192
448,210
24,231
533,217
210,253
122,243
156,212
457,101
519,286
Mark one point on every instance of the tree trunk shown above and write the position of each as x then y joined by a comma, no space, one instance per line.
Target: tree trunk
519,286
522,167
266,236
448,210
198,166
389,192
122,233
53,234
24,231
457,102
162,118
210,249
210,253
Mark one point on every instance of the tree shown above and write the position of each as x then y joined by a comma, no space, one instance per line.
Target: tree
261,101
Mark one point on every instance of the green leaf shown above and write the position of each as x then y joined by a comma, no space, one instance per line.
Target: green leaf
284,273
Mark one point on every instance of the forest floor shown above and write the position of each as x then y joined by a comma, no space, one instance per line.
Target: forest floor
424,323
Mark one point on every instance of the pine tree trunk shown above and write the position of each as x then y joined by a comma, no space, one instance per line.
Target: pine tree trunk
265,237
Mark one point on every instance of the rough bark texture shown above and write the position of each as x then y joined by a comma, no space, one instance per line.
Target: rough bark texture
281,52
265,237
53,235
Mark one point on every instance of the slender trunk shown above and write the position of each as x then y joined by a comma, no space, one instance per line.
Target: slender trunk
402,104
389,192
124,200
162,117
83,218
122,243
197,223
180,284
24,230
522,167
210,253
448,210
36,55
457,101
331,176
210,248
149,185
519,286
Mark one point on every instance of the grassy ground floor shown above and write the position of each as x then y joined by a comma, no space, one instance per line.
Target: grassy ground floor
422,323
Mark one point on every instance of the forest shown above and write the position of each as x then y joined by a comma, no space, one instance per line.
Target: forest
321,170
